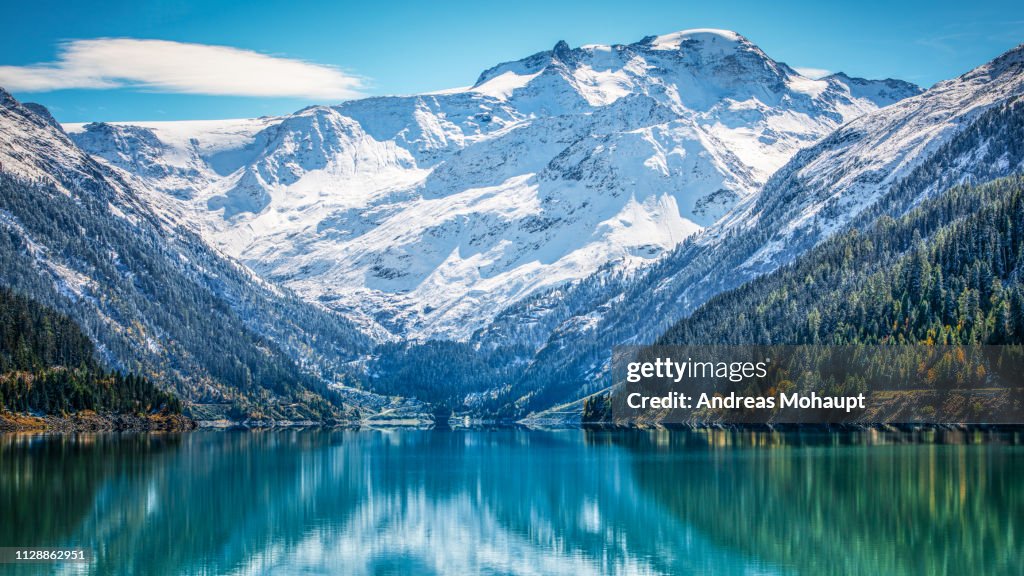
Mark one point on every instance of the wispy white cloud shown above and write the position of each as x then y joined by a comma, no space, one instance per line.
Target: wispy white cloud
166,66
814,73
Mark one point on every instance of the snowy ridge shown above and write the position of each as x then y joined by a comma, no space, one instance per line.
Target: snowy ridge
883,163
154,297
853,167
423,216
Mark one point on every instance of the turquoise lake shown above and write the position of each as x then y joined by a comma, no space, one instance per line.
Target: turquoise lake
514,501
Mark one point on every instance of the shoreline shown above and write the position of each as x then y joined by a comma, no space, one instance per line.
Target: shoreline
89,421
811,427
94,422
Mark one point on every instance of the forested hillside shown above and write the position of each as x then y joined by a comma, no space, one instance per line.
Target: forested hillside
151,294
986,146
47,365
149,309
947,272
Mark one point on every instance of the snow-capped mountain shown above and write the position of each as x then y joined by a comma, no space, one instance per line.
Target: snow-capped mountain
155,298
426,215
964,130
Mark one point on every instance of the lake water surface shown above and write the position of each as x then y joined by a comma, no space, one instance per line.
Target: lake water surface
514,501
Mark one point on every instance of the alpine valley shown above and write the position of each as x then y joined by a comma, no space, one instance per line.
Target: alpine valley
480,250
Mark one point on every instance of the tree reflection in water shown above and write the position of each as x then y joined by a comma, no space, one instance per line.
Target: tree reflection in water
515,501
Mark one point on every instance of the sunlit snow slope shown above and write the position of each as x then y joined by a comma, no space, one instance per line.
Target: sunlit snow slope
426,215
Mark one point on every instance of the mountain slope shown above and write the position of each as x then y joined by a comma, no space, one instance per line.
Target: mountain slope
423,216
948,272
48,366
881,164
152,295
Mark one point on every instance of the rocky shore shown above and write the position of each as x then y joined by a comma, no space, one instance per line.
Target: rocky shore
89,421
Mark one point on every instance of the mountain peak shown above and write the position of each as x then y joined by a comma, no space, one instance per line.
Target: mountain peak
43,113
1012,59
698,44
6,99
881,92
1008,67
562,51
706,37
424,215
34,112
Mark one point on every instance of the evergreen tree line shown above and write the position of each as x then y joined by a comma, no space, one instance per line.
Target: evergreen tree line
947,272
47,365
33,337
440,372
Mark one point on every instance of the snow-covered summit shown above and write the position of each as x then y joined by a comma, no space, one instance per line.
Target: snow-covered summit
709,64
425,215
722,41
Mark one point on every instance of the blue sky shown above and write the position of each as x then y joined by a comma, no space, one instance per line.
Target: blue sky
330,51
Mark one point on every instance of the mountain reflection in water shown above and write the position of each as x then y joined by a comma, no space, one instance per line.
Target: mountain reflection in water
514,501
